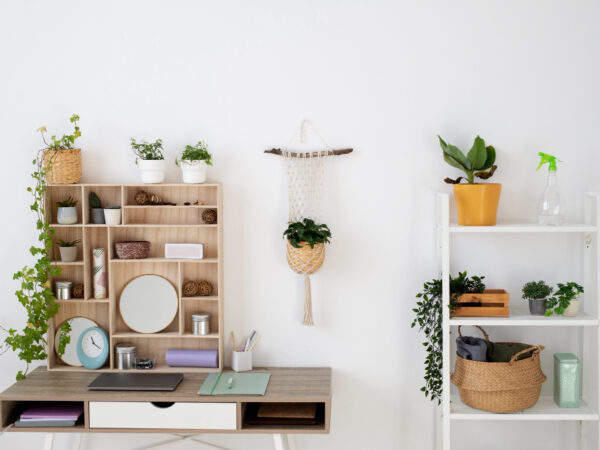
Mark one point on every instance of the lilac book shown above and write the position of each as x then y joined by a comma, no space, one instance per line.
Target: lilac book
54,410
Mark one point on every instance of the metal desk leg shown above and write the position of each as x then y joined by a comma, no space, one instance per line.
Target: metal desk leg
77,441
49,441
282,442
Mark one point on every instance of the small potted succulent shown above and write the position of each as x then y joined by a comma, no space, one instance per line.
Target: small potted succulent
67,212
68,250
96,210
112,215
565,300
194,163
62,162
537,293
150,159
476,203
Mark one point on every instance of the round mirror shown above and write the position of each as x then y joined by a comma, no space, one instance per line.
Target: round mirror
78,326
148,304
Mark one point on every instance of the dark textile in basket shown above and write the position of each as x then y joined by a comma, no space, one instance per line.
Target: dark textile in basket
471,348
503,351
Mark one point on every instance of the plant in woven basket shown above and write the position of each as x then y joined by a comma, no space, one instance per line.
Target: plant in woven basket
66,141
148,151
478,163
562,298
198,152
307,231
67,203
536,290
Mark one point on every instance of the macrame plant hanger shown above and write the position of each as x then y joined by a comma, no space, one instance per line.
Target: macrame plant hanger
306,174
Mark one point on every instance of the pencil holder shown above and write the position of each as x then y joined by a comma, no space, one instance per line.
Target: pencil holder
241,361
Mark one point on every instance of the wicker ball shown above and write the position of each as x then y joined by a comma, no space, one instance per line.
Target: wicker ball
209,216
204,288
141,198
190,288
78,290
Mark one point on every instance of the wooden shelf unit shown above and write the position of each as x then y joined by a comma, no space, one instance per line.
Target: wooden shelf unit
159,225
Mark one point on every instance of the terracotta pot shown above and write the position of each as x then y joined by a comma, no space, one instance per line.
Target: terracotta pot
477,204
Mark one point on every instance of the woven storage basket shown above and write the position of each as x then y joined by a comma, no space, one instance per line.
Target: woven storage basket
66,165
500,387
305,260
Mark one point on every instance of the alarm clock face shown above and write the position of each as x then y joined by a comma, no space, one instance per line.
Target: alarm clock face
93,343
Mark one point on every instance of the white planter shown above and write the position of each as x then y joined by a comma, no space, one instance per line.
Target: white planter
573,309
152,170
66,215
112,216
68,254
193,171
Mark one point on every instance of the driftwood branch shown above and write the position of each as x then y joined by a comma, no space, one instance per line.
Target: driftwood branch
343,151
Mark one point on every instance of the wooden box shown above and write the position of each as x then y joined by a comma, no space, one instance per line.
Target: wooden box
492,303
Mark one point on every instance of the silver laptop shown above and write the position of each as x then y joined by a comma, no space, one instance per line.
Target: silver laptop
136,382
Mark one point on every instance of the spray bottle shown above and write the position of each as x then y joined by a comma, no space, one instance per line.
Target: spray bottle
550,208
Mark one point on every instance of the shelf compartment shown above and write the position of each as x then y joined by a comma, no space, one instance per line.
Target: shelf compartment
109,196
12,410
96,237
70,233
200,307
525,228
179,194
251,421
158,214
167,260
524,319
56,193
70,272
197,272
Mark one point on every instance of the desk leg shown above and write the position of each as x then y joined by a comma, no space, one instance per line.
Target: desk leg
49,441
77,441
282,442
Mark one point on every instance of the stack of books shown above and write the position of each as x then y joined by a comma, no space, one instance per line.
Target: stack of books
51,414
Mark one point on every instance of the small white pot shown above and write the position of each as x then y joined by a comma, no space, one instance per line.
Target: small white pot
66,215
68,254
112,216
193,171
152,170
573,309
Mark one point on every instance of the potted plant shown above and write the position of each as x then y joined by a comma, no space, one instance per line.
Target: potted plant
537,292
62,162
96,210
150,159
112,215
68,250
67,212
476,203
194,163
565,300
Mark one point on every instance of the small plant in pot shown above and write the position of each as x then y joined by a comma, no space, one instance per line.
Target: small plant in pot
112,215
96,210
66,213
62,162
194,163
476,203
537,293
565,300
68,250
150,159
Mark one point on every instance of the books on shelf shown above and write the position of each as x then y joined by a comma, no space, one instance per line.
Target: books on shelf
51,414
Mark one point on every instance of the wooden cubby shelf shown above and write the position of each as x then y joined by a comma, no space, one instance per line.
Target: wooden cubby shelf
158,224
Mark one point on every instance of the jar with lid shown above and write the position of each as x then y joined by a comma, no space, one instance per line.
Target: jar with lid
201,324
125,356
63,290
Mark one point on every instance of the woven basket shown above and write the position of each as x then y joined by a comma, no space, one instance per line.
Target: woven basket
500,387
66,166
305,260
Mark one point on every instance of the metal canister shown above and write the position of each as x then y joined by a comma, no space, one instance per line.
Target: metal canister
125,356
63,290
201,324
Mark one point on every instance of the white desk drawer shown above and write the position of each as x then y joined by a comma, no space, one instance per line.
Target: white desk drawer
198,416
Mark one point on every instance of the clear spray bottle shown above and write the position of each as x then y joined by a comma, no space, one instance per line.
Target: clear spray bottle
550,213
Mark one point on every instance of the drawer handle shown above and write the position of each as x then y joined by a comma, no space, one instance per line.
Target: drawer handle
163,405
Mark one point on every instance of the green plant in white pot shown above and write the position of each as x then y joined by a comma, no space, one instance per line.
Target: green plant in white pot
565,300
537,293
194,163
150,159
68,250
66,213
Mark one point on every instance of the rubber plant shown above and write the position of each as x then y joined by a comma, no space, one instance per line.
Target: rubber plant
35,292
429,317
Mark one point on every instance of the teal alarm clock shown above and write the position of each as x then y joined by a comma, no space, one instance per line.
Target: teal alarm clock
92,348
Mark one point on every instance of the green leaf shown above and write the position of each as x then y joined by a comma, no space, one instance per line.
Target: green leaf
477,155
490,157
458,155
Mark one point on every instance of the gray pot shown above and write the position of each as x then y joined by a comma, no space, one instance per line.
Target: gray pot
537,306
66,215
68,254
98,216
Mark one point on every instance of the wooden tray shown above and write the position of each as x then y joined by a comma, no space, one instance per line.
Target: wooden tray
492,303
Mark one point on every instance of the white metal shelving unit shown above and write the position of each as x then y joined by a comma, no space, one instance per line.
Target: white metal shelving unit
586,322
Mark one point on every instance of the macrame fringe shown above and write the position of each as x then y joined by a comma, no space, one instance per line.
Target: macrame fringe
308,315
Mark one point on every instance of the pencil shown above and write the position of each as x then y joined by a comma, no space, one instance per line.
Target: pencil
255,342
233,340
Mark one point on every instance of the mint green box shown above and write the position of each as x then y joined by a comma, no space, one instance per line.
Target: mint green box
567,374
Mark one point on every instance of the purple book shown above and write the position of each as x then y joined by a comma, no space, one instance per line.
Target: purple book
54,410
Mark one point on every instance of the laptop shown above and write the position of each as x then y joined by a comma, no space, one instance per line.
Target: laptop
136,382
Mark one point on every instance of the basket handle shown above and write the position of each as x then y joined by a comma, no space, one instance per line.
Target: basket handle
536,350
487,338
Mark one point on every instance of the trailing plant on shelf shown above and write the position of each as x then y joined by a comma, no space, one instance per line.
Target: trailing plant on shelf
307,231
429,317
66,141
147,151
198,152
35,293
67,203
562,298
478,163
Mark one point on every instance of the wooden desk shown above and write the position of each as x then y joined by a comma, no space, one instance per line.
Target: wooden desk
287,385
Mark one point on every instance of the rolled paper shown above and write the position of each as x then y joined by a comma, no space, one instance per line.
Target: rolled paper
192,358
99,272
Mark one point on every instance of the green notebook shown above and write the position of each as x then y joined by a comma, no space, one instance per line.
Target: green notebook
233,383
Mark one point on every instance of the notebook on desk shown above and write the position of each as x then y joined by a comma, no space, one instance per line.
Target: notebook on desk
232,383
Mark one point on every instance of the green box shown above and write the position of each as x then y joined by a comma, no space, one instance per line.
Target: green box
567,374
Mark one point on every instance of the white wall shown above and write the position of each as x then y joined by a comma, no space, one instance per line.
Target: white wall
382,77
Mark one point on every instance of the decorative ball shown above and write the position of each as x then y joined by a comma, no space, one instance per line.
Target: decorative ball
209,216
141,198
77,290
205,288
190,288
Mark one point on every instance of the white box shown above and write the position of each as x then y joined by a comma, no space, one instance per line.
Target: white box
184,251
241,361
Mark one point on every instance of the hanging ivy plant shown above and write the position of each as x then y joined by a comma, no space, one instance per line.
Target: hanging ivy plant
35,291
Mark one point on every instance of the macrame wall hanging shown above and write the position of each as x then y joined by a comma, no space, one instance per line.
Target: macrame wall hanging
306,175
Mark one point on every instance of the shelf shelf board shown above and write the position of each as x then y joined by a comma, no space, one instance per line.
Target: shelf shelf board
81,300
210,298
167,260
166,225
187,334
544,409
134,335
170,206
525,228
64,263
524,319
59,225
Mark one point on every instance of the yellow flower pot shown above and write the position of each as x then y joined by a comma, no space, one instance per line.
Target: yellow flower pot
477,204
